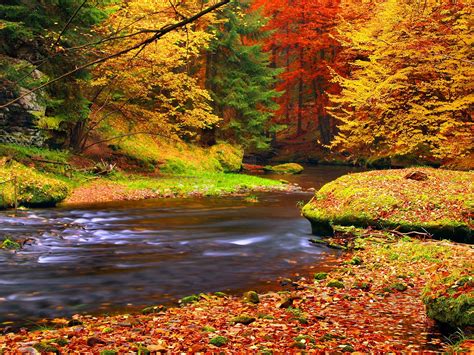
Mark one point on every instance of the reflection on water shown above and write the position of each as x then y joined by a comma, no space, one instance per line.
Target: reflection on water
152,251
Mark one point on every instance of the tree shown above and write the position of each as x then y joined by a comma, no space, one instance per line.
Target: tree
240,78
152,88
410,89
302,44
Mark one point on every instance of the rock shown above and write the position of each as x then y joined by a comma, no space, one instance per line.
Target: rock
189,299
321,276
398,286
417,176
243,319
153,309
335,284
289,168
46,348
251,297
219,341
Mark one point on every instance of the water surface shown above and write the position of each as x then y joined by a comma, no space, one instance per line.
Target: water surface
116,255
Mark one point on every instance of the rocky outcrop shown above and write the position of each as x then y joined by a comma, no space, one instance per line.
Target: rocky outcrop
18,121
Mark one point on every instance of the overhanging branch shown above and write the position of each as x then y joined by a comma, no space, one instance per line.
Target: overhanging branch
157,35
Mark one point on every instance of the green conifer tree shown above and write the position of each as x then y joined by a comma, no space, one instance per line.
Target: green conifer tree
241,79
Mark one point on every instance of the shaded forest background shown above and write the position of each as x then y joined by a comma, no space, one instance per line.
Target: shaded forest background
378,82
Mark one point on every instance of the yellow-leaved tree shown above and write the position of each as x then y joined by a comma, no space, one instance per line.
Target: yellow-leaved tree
153,88
409,88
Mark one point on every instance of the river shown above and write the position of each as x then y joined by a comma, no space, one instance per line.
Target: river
124,255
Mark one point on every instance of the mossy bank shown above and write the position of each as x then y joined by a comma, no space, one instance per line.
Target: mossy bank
42,177
436,201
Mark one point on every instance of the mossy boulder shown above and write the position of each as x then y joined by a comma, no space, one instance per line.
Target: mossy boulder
230,157
335,284
251,297
440,205
321,276
34,189
288,168
219,341
243,319
451,302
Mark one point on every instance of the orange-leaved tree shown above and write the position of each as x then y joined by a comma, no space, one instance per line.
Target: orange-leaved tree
409,92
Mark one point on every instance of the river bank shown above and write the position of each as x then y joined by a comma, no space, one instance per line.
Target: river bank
372,301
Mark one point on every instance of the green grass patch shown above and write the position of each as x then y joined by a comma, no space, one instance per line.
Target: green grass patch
208,184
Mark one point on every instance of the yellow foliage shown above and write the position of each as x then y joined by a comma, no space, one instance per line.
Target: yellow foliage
154,86
409,91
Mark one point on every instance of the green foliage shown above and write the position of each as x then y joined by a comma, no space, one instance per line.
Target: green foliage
28,30
240,77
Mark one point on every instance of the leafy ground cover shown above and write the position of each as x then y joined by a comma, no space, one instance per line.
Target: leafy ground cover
441,204
371,302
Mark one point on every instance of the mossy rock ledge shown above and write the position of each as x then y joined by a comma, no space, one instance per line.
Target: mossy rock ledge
34,189
288,168
441,205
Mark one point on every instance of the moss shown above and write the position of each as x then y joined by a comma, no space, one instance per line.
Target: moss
229,157
46,348
208,329
355,261
189,299
450,300
335,283
387,200
288,168
399,286
301,341
457,312
34,189
108,352
10,244
153,309
251,297
243,319
321,276
219,341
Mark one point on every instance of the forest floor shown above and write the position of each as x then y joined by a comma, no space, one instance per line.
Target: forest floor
371,301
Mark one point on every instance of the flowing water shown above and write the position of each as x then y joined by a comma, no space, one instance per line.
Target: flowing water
127,254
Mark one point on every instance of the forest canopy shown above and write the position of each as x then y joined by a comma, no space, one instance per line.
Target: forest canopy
369,80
